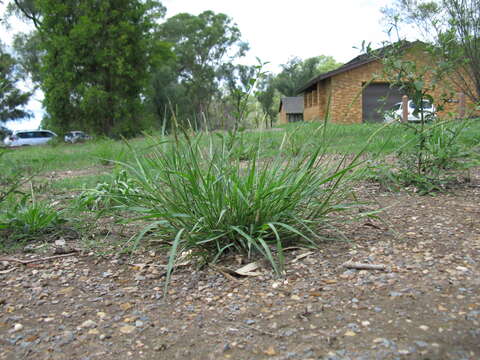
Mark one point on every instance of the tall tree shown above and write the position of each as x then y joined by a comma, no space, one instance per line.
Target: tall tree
29,53
201,45
452,27
12,99
266,95
296,72
95,61
239,82
167,97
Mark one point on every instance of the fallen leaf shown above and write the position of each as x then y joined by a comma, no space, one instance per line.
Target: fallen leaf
127,329
126,306
301,256
330,281
442,308
270,351
249,270
65,291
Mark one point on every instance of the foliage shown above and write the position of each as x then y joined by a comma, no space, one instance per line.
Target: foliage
22,216
426,165
240,82
166,97
28,49
26,9
201,44
97,55
106,194
266,95
433,149
27,217
453,28
12,99
427,162
296,73
212,203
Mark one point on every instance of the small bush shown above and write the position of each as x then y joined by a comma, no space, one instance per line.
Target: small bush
436,151
429,159
211,203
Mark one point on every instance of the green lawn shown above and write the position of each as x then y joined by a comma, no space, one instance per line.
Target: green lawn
291,139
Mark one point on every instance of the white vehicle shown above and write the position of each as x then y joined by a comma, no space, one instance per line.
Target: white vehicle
29,137
76,136
414,115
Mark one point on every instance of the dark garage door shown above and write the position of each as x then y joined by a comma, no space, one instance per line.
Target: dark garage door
378,98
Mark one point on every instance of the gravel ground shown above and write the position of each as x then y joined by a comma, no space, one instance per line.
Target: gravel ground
424,305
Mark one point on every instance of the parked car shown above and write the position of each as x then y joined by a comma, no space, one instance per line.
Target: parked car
414,115
76,136
29,137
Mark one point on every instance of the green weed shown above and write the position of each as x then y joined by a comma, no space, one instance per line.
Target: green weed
26,217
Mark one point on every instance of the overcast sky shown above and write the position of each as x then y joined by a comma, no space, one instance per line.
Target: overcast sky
277,30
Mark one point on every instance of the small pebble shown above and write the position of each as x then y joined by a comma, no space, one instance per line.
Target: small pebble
17,327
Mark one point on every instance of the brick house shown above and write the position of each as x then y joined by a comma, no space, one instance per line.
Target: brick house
356,92
291,109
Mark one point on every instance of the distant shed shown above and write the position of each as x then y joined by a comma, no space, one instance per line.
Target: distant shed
291,109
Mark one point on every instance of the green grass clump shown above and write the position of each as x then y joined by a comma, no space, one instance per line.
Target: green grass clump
211,202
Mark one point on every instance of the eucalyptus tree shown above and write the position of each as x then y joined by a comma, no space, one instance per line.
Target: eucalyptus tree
268,98
296,72
202,44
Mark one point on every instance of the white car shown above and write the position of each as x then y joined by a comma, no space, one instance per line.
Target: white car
396,112
76,136
29,137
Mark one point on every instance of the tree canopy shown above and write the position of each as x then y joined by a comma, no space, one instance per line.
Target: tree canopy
202,44
296,73
12,99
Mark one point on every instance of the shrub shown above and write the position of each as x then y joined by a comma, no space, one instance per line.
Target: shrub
210,202
436,151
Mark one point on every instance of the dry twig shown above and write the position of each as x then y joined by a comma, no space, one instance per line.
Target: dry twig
25,262
362,266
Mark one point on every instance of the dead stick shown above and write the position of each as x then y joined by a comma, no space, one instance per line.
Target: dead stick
224,273
360,266
25,262
260,331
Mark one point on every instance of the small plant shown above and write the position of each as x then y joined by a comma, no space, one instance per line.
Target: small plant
107,194
28,217
428,164
211,203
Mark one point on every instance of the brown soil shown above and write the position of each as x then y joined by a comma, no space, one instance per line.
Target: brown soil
426,305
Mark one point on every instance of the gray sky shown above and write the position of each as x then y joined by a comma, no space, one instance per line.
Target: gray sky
278,30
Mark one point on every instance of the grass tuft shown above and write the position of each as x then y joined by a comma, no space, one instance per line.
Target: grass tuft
211,202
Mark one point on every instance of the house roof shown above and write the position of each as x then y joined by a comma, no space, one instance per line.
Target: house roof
292,105
357,62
